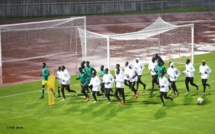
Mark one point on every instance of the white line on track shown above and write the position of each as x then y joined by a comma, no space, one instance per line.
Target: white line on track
19,94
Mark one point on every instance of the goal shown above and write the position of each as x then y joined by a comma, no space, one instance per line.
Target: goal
25,46
170,41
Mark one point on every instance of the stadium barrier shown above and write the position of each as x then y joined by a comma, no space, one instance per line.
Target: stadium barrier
45,8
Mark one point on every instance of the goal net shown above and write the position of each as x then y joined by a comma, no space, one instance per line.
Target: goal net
171,42
25,46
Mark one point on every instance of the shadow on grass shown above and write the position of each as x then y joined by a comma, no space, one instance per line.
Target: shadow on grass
188,99
161,113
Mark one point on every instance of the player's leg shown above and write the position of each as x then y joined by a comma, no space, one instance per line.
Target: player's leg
161,97
91,87
123,95
140,82
132,87
70,90
108,94
167,97
43,91
44,84
94,96
58,90
176,90
193,84
207,83
98,93
83,90
204,83
62,91
125,82
87,89
173,86
117,96
187,84
134,90
103,89
169,85
154,81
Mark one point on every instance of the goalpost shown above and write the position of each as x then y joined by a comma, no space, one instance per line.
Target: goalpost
55,42
159,37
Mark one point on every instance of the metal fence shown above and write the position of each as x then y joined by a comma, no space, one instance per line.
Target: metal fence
52,8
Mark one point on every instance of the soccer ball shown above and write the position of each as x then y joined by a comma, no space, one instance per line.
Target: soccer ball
200,100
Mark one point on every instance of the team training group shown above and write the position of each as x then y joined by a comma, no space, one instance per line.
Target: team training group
102,84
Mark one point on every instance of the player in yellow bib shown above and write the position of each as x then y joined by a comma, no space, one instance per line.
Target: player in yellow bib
51,88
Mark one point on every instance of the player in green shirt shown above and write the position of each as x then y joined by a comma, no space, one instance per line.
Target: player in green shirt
101,74
45,74
89,70
84,79
159,69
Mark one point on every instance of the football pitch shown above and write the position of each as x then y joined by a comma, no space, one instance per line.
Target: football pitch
22,112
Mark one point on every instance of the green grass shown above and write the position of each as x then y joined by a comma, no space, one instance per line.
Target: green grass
20,106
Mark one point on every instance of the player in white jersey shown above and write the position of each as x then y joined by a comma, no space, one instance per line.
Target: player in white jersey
133,76
152,64
164,88
65,77
139,67
120,86
108,81
58,77
173,74
189,75
95,83
126,71
204,71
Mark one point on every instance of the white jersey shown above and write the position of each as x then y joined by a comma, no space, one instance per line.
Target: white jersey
204,71
108,80
65,77
173,73
139,67
58,76
119,80
95,82
152,66
126,73
132,75
164,84
189,70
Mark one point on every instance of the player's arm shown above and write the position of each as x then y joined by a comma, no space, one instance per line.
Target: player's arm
177,73
191,69
164,70
136,74
46,72
142,66
111,79
208,70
